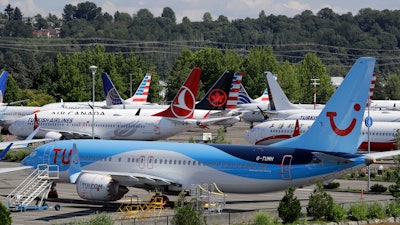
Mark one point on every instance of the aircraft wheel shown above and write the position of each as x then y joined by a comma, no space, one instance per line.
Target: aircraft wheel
57,207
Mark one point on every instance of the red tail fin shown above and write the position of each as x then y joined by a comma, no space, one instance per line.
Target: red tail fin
296,131
184,102
35,122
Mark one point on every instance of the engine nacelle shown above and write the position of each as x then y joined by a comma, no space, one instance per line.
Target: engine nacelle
53,135
99,187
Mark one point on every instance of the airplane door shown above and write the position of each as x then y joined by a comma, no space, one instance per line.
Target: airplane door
47,155
150,161
286,170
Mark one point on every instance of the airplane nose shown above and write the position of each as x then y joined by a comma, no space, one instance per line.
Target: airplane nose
11,129
249,137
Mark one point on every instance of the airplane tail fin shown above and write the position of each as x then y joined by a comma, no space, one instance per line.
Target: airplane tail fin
184,102
3,84
111,93
244,97
277,98
337,128
216,97
142,92
234,91
264,98
75,166
5,151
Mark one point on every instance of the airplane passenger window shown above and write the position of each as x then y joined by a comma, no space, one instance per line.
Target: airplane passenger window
175,162
155,161
170,161
165,161
189,162
119,159
129,159
179,162
184,162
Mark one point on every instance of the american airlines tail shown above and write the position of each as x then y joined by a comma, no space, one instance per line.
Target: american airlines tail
216,97
234,91
183,105
3,84
341,119
142,92
111,93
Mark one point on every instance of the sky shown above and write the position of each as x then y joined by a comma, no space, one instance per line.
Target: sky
195,9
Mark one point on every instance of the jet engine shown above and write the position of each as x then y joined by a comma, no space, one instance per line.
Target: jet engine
99,187
54,135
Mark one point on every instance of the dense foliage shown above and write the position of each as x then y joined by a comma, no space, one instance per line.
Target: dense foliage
299,48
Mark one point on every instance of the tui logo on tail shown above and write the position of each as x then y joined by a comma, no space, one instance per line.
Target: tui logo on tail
346,131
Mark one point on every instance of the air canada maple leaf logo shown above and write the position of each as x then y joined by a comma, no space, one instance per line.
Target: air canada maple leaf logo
217,98
183,106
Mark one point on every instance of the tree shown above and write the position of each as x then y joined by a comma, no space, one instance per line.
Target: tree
289,208
17,14
168,13
69,12
9,10
207,18
320,203
88,11
5,215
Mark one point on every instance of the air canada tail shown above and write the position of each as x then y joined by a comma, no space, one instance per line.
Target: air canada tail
217,96
142,92
337,128
184,102
277,98
3,84
111,93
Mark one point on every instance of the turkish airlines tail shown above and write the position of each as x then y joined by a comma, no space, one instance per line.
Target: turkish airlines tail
184,102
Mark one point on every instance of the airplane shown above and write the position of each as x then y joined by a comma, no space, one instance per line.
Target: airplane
382,135
102,169
281,108
113,99
121,124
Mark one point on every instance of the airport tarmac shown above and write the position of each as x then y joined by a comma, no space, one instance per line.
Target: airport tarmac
73,208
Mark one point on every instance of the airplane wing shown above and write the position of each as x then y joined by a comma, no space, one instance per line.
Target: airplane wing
380,155
132,179
22,143
69,134
10,169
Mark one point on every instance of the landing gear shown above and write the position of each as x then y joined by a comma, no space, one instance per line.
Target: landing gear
53,191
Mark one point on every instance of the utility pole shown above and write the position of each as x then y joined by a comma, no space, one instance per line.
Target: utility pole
93,69
314,83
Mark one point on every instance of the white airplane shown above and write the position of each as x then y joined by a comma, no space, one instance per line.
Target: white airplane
102,169
382,135
113,99
281,108
121,124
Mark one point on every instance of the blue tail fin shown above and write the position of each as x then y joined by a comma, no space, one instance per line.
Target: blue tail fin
3,84
111,93
337,128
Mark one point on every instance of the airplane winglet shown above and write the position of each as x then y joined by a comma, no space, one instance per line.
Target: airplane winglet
3,84
5,151
75,165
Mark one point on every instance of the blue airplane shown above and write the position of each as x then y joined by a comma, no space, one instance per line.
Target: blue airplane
103,169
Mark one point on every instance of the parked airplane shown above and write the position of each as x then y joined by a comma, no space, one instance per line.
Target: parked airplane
102,169
119,123
382,135
112,96
281,108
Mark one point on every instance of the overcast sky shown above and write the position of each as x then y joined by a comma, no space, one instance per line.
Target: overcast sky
195,9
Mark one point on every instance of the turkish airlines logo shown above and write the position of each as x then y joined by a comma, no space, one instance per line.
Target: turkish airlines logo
346,131
184,106
217,98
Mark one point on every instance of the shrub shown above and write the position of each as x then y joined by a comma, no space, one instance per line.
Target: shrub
5,215
262,218
337,214
187,213
393,208
320,203
376,211
96,219
378,188
289,208
358,211
17,156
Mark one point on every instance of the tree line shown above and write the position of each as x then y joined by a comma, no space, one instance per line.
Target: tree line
299,48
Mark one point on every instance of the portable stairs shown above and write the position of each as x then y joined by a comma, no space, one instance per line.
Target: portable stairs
210,196
152,206
34,188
